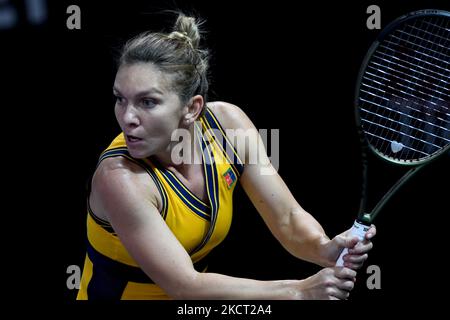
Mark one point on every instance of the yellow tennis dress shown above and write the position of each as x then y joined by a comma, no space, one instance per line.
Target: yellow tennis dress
110,273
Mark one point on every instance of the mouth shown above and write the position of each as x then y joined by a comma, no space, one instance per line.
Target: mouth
131,138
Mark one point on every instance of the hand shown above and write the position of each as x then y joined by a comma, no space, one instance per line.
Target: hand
357,254
328,284
357,250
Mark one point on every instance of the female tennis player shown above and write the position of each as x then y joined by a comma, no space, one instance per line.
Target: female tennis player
155,209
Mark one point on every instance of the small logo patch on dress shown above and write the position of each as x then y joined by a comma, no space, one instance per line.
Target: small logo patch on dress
230,178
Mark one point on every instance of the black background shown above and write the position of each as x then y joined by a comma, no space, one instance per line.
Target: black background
290,65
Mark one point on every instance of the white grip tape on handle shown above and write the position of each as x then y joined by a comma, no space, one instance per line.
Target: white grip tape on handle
358,230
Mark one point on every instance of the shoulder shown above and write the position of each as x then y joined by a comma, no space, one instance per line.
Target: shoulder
118,168
120,183
230,116
112,172
239,129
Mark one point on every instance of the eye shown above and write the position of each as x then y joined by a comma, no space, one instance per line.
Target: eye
119,99
149,102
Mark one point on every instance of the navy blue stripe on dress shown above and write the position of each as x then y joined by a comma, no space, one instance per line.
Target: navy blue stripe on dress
212,185
193,203
159,185
123,151
113,152
110,277
227,147
102,223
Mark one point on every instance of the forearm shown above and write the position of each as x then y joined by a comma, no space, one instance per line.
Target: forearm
295,229
218,286
303,237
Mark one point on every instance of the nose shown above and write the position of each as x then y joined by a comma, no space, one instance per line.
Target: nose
130,116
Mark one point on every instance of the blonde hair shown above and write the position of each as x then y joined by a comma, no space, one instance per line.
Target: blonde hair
177,53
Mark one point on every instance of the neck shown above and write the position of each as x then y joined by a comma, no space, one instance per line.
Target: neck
182,155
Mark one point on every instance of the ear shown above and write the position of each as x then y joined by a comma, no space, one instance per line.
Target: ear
194,109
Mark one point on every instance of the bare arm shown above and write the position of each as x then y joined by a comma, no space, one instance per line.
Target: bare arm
294,228
124,195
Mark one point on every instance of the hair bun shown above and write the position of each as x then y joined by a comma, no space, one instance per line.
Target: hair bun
181,36
187,29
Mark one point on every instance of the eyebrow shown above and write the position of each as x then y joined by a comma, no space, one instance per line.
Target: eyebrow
143,93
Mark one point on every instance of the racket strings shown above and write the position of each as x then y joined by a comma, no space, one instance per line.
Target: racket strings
404,98
412,107
435,57
407,125
431,60
399,74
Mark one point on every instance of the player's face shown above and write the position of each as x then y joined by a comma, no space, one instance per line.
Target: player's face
147,108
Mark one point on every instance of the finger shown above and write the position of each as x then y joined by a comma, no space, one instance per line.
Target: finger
353,266
346,285
350,243
339,294
346,242
344,273
351,258
371,232
361,248
355,262
363,245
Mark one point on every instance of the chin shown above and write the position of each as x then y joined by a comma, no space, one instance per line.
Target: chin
139,153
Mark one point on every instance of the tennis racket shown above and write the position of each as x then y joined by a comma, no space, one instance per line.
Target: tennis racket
402,101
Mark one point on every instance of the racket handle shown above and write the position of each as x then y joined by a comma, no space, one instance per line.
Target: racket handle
358,230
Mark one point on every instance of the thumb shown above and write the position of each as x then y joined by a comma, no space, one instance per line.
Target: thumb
346,241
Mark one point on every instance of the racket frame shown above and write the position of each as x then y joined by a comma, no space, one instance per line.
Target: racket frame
364,217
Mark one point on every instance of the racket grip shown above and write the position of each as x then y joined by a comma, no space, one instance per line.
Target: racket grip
358,230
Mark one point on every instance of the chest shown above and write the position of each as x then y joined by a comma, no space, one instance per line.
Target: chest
194,181
190,221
